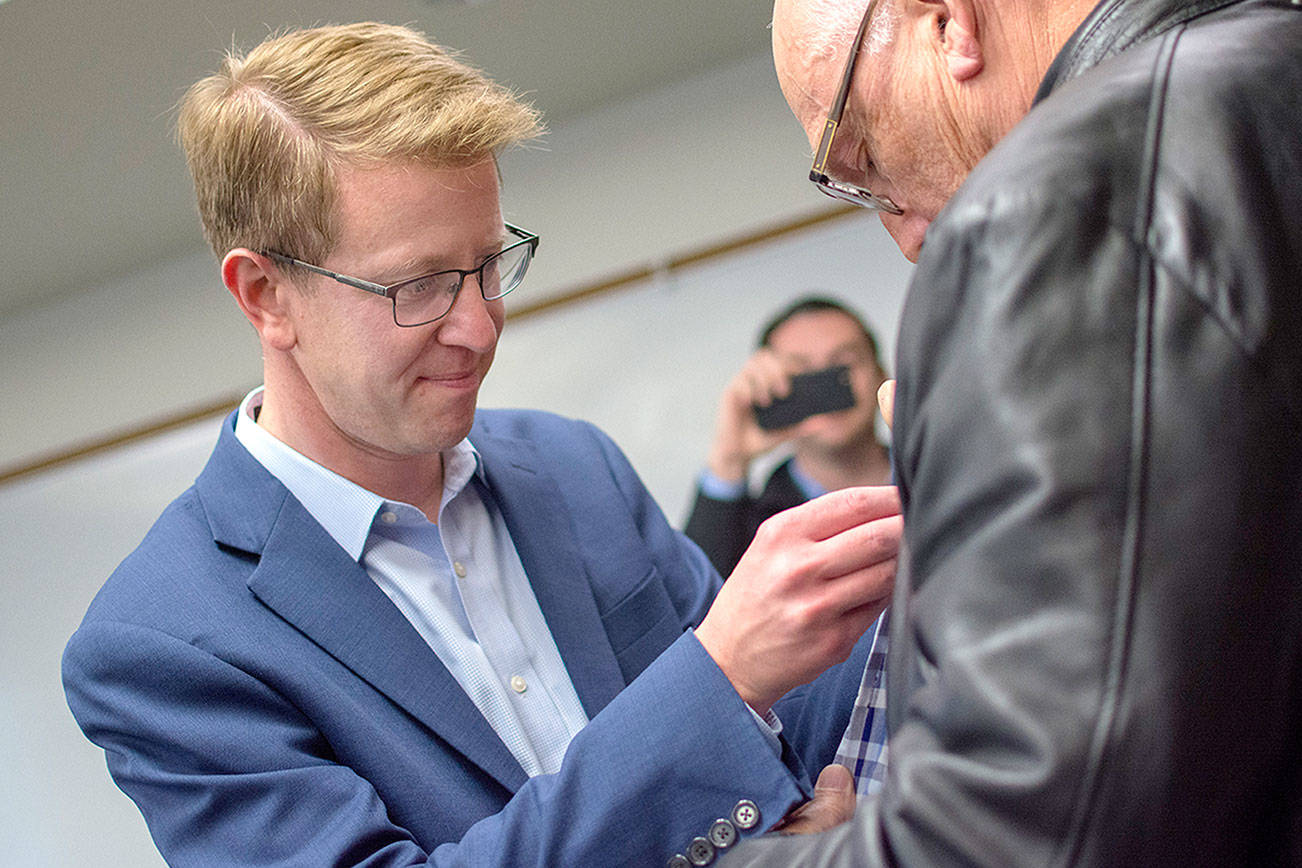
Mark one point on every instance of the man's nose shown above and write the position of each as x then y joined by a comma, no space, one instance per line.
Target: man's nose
470,322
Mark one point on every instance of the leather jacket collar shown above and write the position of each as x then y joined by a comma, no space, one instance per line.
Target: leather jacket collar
1114,26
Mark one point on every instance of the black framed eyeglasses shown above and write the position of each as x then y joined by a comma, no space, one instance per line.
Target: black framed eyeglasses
421,300
838,189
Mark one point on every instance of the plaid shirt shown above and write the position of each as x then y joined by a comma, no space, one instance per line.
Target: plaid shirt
863,747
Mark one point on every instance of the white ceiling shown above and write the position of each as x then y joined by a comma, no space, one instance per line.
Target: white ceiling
92,185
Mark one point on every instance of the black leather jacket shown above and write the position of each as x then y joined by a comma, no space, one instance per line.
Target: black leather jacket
1098,657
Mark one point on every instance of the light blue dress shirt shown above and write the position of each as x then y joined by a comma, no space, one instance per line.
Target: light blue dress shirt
458,581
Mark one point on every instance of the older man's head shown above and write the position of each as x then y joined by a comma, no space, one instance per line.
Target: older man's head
938,83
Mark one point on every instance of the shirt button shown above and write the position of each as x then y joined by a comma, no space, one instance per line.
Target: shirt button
723,834
746,815
700,852
388,517
459,568
518,684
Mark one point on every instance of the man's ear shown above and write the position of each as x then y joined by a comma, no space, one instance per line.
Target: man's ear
262,294
955,24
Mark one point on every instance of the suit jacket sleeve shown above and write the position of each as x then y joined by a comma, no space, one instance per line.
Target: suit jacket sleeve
227,771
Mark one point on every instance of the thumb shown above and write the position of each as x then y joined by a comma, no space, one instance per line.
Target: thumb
886,401
835,782
832,805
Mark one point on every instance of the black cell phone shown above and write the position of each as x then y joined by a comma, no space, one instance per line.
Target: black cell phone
817,392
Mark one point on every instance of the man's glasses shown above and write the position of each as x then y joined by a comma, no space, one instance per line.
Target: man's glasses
421,300
837,189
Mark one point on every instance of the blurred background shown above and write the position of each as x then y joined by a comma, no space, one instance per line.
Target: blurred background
675,216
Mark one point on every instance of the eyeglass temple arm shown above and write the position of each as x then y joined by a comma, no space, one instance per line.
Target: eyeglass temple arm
522,234
838,107
342,278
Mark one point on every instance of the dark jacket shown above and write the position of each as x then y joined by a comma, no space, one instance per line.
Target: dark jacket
1097,658
724,528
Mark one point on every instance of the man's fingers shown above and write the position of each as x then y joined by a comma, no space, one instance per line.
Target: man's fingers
867,588
832,805
861,546
776,377
836,781
826,516
765,378
886,402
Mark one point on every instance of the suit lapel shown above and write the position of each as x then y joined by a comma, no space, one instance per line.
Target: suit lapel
533,509
306,578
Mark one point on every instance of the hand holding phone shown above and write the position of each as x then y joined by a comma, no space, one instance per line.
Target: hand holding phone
824,391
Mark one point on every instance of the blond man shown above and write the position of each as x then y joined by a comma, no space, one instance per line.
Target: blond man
386,628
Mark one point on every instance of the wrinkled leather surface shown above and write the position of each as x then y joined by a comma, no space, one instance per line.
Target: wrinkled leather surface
1099,446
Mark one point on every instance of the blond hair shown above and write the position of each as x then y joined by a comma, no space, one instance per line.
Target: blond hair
266,135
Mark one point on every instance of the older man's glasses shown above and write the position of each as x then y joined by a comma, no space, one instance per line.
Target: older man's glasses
838,189
421,300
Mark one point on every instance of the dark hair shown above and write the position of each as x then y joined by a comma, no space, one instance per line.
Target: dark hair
817,304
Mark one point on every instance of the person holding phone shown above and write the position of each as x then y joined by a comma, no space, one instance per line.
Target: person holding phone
812,383
814,374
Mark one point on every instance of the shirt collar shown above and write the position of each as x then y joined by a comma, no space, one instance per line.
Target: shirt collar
342,507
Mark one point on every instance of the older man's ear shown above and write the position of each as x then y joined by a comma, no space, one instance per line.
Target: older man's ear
955,24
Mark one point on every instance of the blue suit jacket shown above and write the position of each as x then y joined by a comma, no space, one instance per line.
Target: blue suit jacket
264,703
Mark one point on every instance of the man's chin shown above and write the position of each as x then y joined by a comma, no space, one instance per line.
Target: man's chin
438,425
823,437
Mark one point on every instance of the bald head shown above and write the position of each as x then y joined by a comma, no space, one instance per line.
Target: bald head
827,26
937,84
809,34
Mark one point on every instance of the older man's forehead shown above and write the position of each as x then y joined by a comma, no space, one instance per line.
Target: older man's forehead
812,42
808,78
808,106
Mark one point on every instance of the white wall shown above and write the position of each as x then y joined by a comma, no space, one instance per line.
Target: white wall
637,183
64,530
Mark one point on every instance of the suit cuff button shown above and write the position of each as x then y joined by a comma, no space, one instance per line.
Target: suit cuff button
723,834
678,860
746,815
700,851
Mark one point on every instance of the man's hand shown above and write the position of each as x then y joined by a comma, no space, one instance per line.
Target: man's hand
833,804
738,439
813,580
